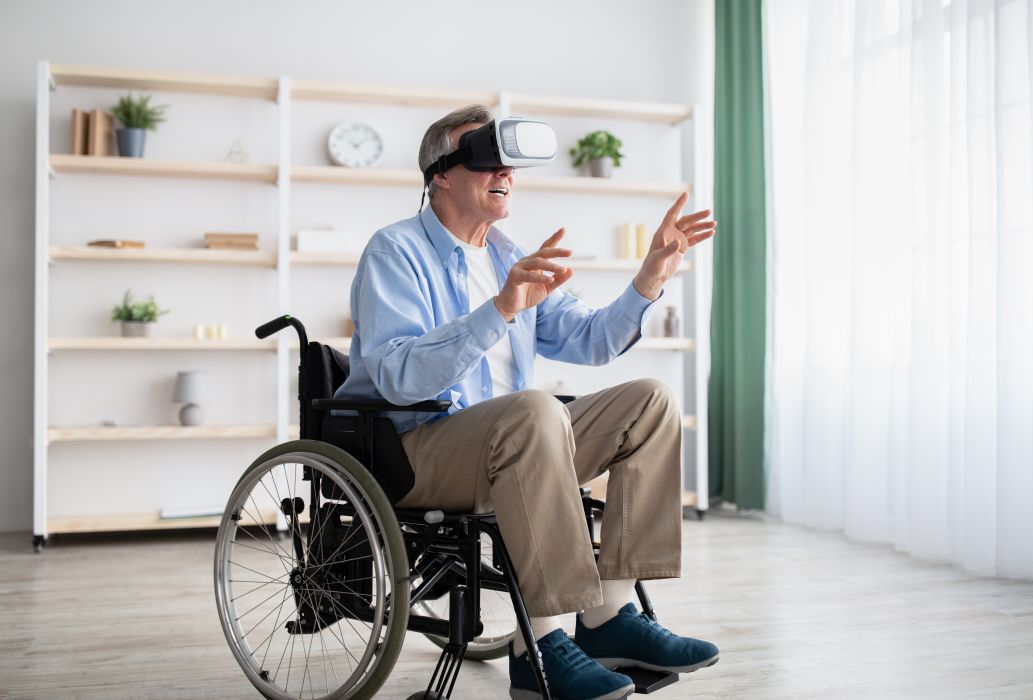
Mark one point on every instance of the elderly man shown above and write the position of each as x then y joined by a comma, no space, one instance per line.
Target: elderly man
447,307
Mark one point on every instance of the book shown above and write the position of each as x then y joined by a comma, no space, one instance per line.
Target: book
80,131
233,246
115,243
237,241
100,134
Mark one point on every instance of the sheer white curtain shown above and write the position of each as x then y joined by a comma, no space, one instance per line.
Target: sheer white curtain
901,269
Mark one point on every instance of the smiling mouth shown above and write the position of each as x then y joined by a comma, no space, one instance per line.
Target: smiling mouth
499,191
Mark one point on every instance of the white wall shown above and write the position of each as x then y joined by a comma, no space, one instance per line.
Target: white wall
648,50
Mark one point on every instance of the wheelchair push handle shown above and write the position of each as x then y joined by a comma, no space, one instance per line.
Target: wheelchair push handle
278,324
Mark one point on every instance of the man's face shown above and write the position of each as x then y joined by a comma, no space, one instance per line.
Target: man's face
481,194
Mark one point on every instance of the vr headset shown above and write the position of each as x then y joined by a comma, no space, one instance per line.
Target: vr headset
505,143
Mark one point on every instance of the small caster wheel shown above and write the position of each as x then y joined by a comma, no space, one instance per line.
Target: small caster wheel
38,543
700,514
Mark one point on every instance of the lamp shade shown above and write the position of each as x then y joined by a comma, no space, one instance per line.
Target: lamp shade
190,387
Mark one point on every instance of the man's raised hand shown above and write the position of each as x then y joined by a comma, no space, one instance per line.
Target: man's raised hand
672,239
529,281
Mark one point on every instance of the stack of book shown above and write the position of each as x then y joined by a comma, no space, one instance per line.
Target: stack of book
92,133
232,241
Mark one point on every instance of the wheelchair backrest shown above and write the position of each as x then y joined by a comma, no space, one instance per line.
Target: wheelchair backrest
326,370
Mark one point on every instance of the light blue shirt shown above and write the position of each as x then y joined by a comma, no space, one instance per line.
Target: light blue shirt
416,337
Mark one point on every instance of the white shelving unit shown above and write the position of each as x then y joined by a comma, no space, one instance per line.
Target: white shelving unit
283,174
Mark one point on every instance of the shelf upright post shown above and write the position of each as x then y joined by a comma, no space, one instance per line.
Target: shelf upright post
283,259
702,168
283,256
501,112
39,434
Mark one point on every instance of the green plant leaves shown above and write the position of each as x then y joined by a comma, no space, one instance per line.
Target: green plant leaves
598,144
138,113
144,311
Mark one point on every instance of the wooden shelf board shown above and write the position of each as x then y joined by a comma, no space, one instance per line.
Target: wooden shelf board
665,113
125,523
339,343
329,91
586,264
125,79
410,178
602,185
614,264
119,343
257,258
146,167
313,258
158,432
356,176
674,344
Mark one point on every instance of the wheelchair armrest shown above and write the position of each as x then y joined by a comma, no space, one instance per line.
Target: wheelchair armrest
564,398
378,405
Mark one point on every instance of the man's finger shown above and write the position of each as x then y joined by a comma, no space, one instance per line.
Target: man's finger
672,213
553,239
522,276
559,278
540,264
700,237
697,220
550,253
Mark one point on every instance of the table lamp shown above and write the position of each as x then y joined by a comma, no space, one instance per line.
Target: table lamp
190,390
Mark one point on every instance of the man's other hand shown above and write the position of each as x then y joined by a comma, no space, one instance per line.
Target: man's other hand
674,236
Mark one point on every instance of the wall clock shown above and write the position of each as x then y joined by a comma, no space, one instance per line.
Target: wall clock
354,145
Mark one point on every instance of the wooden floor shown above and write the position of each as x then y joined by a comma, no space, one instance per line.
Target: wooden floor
797,614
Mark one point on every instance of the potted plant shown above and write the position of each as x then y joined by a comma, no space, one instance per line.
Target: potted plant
601,150
138,318
137,116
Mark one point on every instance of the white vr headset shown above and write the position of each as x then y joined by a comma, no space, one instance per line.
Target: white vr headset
505,143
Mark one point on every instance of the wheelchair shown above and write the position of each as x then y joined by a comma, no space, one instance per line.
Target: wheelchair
318,575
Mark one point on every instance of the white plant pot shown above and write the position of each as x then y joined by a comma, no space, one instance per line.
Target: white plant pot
137,329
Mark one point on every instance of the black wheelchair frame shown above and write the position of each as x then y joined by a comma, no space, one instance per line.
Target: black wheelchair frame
443,549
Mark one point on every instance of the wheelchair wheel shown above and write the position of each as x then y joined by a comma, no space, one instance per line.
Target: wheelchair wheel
497,616
320,611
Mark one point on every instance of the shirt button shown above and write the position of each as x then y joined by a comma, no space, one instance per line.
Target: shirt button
494,334
484,389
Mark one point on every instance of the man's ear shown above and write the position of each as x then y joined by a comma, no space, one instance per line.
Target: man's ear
441,180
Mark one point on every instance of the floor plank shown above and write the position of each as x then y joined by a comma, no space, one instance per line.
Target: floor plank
797,614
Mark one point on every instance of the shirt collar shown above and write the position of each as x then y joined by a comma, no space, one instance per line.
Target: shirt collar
445,245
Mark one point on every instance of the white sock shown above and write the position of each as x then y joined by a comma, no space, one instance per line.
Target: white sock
540,626
616,594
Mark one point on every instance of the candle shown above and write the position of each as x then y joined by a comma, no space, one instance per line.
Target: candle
641,241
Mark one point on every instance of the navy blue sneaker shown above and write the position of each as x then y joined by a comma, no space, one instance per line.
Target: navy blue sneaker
633,639
570,673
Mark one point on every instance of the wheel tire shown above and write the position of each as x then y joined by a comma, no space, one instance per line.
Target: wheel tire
327,459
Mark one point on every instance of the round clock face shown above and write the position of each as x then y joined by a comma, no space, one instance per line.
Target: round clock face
354,145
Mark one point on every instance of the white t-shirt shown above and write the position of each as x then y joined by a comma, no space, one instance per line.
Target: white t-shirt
482,285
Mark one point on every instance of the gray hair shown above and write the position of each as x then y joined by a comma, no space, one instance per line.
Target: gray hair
437,142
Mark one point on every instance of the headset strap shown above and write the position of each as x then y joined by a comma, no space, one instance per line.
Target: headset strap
447,162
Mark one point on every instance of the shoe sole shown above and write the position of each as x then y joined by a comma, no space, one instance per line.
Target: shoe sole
617,662
619,694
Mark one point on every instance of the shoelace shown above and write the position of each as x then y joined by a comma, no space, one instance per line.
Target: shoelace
656,627
571,654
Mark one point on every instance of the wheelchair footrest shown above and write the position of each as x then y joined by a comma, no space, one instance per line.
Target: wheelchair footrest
647,681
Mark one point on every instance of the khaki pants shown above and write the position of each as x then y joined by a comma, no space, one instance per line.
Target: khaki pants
524,455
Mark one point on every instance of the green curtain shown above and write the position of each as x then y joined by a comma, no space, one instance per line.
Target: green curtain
737,326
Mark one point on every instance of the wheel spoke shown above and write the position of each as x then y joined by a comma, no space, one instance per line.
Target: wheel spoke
262,609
